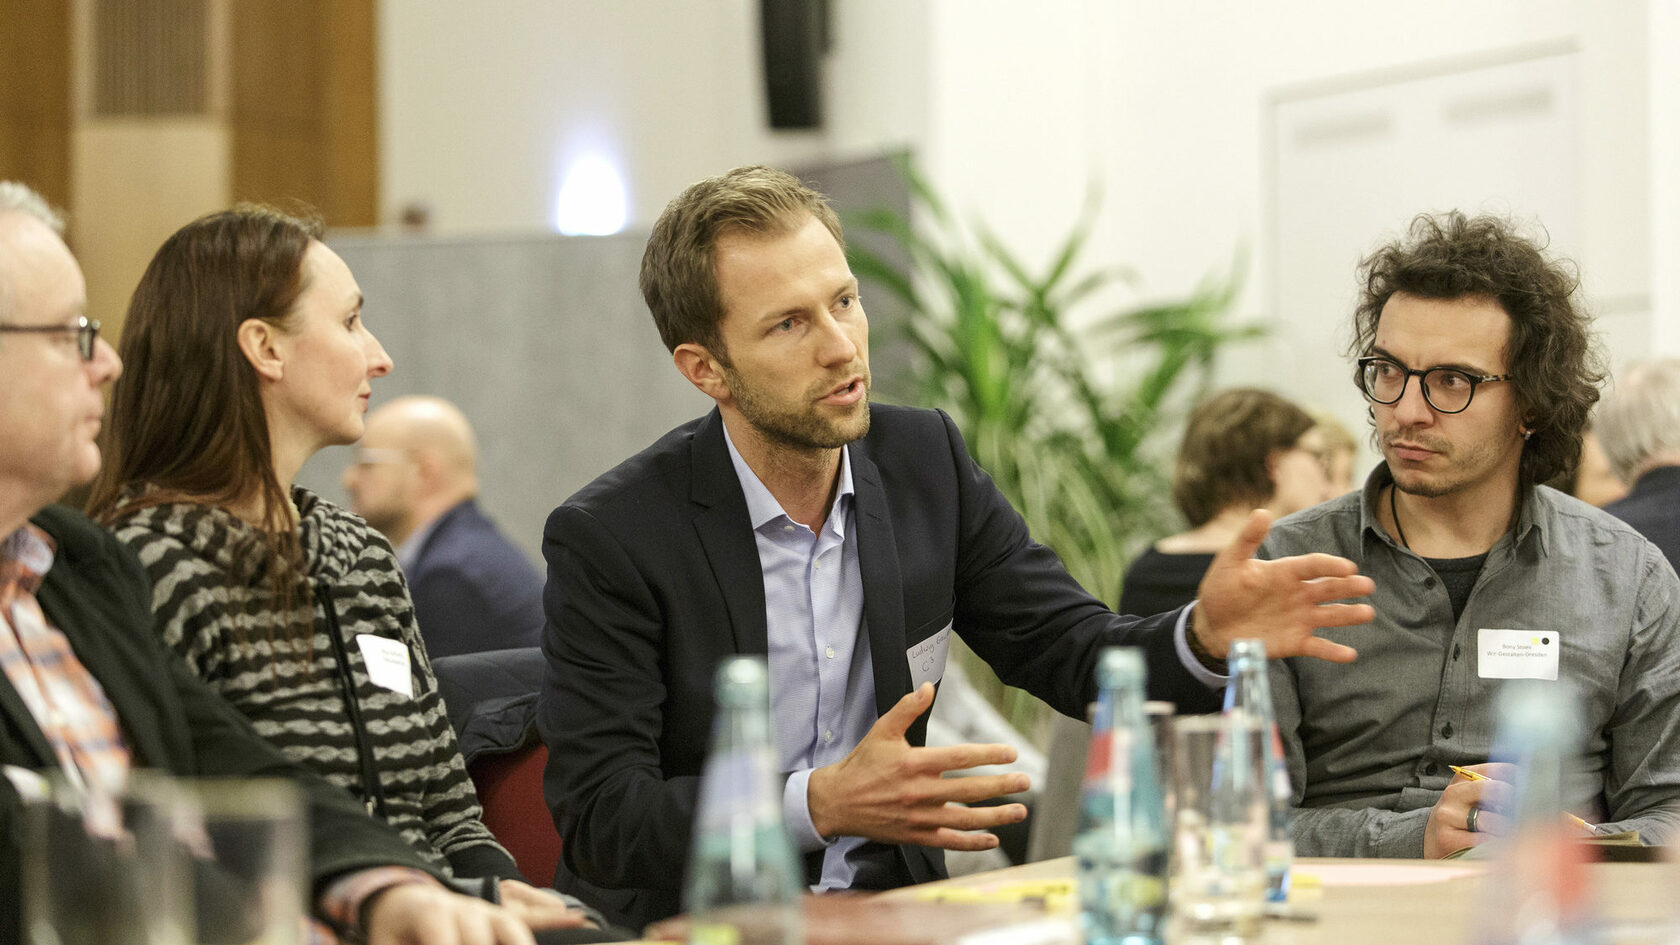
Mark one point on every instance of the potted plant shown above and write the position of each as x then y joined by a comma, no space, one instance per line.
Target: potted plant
1062,395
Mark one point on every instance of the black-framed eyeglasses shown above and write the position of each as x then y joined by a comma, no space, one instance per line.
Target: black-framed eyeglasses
85,329
1447,390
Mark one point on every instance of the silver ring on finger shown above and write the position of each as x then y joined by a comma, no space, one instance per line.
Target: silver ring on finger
1470,816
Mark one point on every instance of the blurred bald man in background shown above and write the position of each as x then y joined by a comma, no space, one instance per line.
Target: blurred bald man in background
415,478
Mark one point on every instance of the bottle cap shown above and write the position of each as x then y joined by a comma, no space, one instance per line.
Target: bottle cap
1119,666
1246,649
743,682
1532,713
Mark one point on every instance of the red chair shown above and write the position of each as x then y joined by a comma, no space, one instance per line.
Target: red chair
510,790
492,702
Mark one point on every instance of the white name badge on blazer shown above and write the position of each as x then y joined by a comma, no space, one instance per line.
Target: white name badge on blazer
927,658
1517,654
387,663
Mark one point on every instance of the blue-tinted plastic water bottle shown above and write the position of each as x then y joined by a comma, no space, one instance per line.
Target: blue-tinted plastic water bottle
1120,849
744,881
1538,888
1250,694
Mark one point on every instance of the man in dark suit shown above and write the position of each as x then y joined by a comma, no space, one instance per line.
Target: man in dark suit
88,688
844,541
415,478
1639,426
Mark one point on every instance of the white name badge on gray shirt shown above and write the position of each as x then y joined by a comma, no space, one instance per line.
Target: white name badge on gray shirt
927,658
1517,654
387,663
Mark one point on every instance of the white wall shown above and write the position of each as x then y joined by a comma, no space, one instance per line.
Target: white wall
1664,78
484,103
1015,109
1174,101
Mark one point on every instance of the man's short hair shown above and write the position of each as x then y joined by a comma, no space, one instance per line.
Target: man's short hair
1222,460
679,267
1552,356
19,198
1640,419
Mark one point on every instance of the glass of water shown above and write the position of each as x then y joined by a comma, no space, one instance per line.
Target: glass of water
1218,881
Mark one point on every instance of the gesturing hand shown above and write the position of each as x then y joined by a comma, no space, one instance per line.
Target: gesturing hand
1280,602
889,791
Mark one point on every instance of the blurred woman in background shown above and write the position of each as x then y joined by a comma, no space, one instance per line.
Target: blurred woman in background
1243,449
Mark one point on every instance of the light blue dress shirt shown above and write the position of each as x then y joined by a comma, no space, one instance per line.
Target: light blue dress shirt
822,685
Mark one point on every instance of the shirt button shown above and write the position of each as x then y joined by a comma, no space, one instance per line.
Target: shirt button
1431,768
830,652
787,528
828,736
1429,582
1446,730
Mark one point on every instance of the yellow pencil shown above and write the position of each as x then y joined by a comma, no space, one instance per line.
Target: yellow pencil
1472,775
1476,776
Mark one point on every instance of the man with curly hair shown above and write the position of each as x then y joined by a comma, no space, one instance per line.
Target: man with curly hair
1481,372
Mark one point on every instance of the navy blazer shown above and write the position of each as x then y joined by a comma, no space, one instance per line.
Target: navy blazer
473,590
1653,507
654,579
99,597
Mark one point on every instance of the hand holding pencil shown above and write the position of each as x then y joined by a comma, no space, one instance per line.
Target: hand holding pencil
1593,830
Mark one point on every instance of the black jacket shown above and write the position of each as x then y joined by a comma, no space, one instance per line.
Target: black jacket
654,577
1653,507
97,594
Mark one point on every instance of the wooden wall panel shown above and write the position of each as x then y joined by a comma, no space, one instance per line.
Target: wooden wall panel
305,106
35,96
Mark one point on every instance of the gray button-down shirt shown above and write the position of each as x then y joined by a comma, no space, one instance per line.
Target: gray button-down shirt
1368,743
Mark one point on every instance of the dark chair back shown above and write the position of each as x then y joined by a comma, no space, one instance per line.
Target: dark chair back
492,702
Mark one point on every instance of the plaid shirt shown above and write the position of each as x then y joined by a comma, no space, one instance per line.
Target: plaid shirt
67,702
71,708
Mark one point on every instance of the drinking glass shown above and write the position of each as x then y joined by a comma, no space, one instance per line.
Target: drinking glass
1218,880
1161,727
107,870
255,890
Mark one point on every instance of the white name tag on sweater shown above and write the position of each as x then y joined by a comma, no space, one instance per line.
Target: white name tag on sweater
1517,654
927,658
387,663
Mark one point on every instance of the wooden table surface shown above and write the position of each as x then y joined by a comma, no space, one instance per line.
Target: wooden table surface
1333,902
1387,902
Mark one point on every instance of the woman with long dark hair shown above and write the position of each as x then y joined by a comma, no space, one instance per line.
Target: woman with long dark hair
247,354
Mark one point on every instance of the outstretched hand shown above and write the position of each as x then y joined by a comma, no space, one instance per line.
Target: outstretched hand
1280,602
890,791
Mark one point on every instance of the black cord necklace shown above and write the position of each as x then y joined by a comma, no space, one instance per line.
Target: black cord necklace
1394,512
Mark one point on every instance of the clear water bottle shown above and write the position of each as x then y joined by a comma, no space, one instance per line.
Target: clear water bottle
744,881
1538,888
1120,849
1250,694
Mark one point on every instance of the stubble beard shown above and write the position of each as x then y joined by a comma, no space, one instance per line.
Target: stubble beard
804,429
1462,467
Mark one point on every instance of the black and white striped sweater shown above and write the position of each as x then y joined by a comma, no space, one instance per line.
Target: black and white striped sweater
212,598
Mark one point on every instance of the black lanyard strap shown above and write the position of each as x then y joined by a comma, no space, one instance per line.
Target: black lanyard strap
373,795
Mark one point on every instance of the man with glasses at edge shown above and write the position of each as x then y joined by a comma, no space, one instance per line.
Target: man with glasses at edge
1481,371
